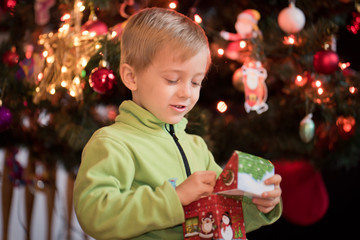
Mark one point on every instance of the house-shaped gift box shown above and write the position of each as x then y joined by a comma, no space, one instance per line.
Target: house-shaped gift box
220,215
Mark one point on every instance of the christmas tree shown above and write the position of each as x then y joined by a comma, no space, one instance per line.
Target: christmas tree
284,83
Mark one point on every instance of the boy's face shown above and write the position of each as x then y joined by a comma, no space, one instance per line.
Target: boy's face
170,88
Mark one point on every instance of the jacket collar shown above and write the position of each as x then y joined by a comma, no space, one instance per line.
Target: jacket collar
132,114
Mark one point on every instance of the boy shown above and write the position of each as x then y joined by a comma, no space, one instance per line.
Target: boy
123,188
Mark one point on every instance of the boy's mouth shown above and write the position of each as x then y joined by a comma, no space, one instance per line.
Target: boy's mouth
179,107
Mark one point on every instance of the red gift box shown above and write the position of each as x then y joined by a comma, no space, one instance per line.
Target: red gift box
214,217
220,215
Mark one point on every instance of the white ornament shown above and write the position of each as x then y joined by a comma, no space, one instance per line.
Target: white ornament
291,19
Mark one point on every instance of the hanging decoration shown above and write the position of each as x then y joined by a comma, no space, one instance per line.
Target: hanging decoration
307,128
29,66
42,11
5,113
5,118
66,54
304,194
8,5
253,78
10,58
240,46
291,19
326,61
93,26
102,79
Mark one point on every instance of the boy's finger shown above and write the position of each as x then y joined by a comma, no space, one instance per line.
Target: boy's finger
276,179
208,177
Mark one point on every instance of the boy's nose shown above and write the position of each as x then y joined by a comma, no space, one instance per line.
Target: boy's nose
185,91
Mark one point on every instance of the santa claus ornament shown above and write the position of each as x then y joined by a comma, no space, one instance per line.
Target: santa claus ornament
253,78
246,28
291,19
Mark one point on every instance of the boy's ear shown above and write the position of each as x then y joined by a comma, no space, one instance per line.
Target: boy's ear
127,74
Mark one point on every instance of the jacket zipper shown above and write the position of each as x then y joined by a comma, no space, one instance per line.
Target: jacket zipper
186,163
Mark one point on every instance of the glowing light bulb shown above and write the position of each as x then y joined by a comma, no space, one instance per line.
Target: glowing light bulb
352,90
173,5
300,80
72,93
65,17
347,127
76,80
221,106
40,76
197,19
242,44
64,69
83,62
52,91
344,65
50,59
45,53
220,52
320,91
289,40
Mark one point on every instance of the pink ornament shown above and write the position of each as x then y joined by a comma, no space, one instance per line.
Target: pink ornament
102,80
5,118
326,61
11,58
93,25
8,5
291,19
42,11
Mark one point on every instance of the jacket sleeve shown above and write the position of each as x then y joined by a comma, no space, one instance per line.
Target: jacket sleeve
107,204
255,219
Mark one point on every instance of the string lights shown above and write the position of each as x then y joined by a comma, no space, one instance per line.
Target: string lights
66,53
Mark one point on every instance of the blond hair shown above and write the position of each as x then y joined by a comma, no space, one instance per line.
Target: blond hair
150,30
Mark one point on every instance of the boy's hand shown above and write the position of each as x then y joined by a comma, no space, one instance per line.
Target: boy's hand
197,185
270,199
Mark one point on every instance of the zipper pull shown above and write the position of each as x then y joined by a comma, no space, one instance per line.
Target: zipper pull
172,132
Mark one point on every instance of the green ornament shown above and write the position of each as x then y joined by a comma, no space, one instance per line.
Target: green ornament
307,128
83,73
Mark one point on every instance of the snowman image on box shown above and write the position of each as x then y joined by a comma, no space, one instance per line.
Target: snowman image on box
226,229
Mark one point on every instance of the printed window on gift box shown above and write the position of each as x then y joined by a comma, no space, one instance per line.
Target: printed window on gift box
192,227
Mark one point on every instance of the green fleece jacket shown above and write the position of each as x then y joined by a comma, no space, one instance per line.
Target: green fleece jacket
122,190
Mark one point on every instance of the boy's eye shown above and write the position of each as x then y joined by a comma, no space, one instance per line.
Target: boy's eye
171,81
196,83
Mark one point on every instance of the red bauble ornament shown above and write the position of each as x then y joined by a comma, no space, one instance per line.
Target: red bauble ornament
304,194
10,58
102,80
5,118
94,26
326,61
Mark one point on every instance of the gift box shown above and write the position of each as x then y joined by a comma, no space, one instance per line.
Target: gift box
220,215
244,174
